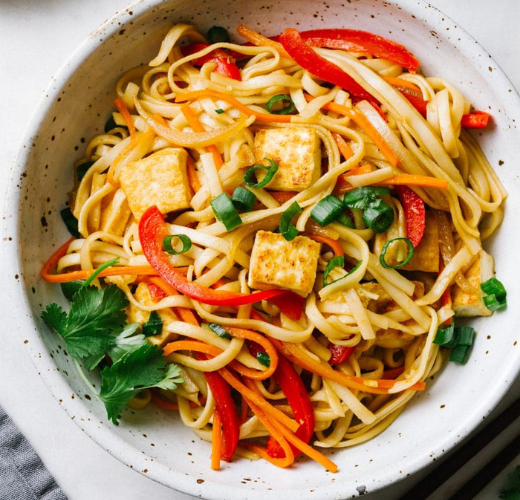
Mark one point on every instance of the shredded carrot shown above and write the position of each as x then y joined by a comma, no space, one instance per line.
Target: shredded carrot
54,258
282,196
393,373
243,409
334,244
343,185
84,274
125,114
193,178
364,124
200,94
414,180
194,123
343,146
162,403
399,82
184,313
297,356
191,345
288,459
260,40
216,440
254,398
242,333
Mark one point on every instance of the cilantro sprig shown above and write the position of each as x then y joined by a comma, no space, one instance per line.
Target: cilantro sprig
95,328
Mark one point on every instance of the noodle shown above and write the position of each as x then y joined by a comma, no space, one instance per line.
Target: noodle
349,338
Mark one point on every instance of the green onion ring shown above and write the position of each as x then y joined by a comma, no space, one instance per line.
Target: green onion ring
249,177
284,111
225,211
168,247
385,248
288,231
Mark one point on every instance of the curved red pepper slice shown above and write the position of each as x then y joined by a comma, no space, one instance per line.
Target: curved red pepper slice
225,60
225,405
339,353
318,66
414,212
477,119
362,42
152,230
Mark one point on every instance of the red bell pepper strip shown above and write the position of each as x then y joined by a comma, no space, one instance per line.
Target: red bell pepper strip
318,66
340,353
225,60
227,409
294,390
362,42
414,213
477,119
152,230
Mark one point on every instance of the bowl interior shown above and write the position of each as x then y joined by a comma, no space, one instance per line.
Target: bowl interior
155,442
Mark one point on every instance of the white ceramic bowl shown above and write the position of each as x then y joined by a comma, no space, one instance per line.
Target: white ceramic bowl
156,443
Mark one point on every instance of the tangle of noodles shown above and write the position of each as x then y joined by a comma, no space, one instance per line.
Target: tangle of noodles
185,134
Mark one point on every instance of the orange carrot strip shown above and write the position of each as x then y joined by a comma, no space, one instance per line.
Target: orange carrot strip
185,314
52,262
193,178
399,82
254,398
242,333
380,386
200,94
288,459
123,110
260,40
364,124
343,146
393,373
216,441
414,180
194,123
282,196
334,244
111,271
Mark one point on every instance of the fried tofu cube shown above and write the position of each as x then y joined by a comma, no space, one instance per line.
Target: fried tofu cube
471,304
426,257
115,213
296,150
135,315
278,263
160,179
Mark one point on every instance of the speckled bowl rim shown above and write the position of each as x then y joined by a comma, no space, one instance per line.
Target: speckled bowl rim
57,384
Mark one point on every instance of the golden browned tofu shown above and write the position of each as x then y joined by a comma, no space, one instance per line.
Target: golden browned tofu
427,254
471,304
136,315
278,263
115,213
296,150
159,179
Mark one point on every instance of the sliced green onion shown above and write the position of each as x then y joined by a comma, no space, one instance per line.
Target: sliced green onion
327,210
378,216
263,358
70,221
243,199
459,354
496,295
219,330
153,326
168,247
285,110
219,111
217,34
444,334
288,231
98,271
338,261
346,220
82,169
363,196
225,211
250,176
385,249
465,335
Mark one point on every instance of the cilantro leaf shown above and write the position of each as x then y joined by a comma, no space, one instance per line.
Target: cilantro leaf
94,316
136,370
512,491
153,326
126,342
